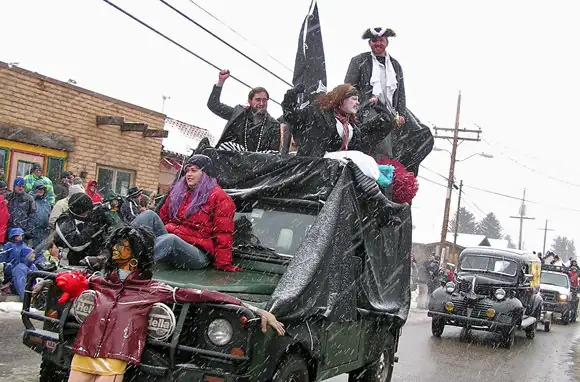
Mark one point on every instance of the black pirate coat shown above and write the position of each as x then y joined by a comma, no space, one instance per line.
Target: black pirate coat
235,127
359,75
315,130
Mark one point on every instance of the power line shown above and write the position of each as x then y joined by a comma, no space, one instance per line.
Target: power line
240,35
432,181
434,172
533,169
224,42
178,44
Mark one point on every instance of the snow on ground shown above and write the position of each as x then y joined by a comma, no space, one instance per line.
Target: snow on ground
12,309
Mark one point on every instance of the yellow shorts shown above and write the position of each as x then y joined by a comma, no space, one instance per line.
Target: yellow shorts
98,366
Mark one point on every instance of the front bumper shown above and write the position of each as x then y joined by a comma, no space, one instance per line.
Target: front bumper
557,307
47,344
469,322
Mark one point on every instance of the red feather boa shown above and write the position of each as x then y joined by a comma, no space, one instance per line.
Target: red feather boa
405,184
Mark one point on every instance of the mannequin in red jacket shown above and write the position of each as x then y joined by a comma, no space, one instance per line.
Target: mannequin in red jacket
125,296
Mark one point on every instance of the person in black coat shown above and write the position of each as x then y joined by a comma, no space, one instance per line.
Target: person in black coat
377,75
379,78
131,207
248,128
330,123
81,229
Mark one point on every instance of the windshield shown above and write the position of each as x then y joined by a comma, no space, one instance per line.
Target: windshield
489,264
275,227
557,279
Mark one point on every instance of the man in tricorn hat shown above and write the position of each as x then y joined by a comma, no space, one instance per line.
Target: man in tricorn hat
377,75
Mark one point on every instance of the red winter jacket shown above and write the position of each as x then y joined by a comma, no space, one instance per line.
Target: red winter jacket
96,197
211,228
4,217
117,326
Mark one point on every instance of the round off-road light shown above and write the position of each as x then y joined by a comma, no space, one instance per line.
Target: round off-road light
491,313
83,305
161,322
449,306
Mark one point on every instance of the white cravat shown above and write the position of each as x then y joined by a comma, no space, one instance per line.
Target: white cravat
384,79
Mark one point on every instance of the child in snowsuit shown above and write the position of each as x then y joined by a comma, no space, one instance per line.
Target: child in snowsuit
19,259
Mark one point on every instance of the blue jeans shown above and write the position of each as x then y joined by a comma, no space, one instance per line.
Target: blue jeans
170,248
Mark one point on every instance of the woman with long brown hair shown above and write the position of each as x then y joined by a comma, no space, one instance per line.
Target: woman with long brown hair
330,124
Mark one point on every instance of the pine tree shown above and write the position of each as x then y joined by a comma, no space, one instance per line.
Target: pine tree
467,222
510,242
490,227
564,247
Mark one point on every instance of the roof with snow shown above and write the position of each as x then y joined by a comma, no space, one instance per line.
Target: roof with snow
464,240
183,137
496,243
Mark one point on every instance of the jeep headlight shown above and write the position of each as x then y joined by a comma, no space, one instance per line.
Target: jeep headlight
450,287
220,332
500,294
563,298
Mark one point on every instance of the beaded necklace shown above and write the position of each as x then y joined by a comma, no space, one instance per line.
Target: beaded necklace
259,137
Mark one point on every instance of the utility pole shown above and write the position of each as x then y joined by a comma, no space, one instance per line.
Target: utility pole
522,217
457,216
545,229
456,138
165,98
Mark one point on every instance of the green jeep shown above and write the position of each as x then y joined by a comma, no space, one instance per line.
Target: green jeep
312,253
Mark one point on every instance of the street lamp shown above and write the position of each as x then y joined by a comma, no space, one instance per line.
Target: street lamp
450,185
482,154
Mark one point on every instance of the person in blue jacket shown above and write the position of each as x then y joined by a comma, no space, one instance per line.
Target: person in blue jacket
19,259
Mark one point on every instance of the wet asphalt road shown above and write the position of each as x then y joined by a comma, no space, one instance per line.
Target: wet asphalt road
553,356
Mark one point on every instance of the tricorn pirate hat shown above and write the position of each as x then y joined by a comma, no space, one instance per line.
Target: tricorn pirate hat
378,32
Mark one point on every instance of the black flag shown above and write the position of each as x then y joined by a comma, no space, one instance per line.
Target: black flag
310,64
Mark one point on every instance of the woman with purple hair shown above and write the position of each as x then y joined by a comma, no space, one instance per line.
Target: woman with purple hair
195,225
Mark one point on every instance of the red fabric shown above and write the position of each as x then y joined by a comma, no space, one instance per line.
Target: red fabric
96,197
405,185
4,217
72,285
573,278
450,275
211,228
343,118
117,326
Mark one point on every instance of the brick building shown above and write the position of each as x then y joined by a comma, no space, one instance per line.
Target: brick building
65,127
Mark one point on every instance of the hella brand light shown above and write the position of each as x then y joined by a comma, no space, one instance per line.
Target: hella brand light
500,294
161,322
161,318
220,332
450,287
83,305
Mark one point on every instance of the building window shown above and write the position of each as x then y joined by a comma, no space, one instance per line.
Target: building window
113,179
55,169
3,162
23,168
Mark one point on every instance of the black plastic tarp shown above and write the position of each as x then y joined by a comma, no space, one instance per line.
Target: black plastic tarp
346,261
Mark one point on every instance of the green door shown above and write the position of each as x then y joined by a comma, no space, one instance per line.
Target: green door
342,343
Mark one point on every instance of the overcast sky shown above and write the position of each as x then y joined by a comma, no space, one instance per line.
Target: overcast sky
516,63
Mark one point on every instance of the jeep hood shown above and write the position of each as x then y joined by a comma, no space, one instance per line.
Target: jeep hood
554,288
251,282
